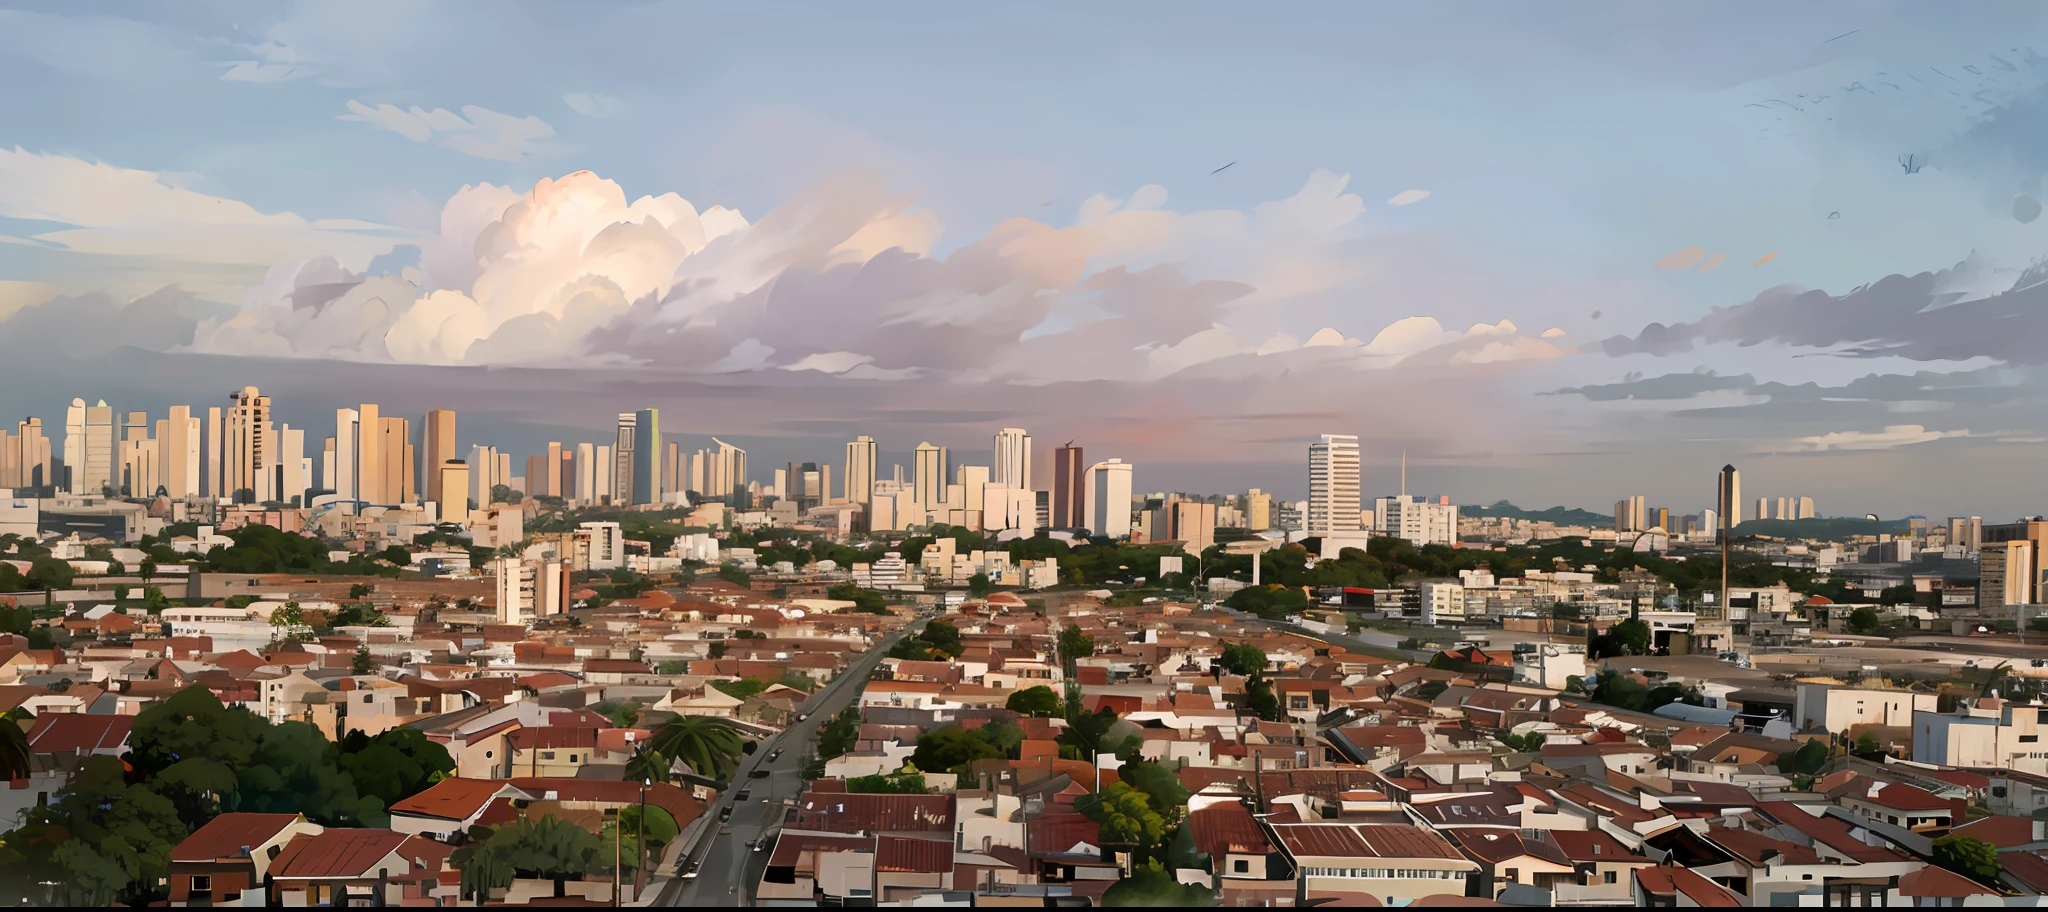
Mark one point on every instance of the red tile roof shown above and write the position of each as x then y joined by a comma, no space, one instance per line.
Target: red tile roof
1829,831
224,836
2002,831
915,856
1756,848
78,733
1902,797
1227,827
1933,882
864,813
337,853
1661,880
1589,846
450,799
1376,841
1061,832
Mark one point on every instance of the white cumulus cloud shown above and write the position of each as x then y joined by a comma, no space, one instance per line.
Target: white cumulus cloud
477,131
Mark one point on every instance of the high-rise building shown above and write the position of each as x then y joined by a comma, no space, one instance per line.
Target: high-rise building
536,475
451,478
974,482
440,444
1418,519
347,449
177,439
1763,508
928,479
369,461
860,470
1333,485
1629,514
1069,487
25,460
552,484
248,448
139,471
1109,499
644,479
674,479
624,446
89,447
397,481
1966,532
723,474
586,490
1728,500
294,469
1806,509
1660,518
1258,510
1193,524
1012,459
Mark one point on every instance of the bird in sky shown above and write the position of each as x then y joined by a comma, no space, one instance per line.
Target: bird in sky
1219,170
1841,36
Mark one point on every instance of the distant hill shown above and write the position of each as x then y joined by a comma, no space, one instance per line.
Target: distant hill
1563,516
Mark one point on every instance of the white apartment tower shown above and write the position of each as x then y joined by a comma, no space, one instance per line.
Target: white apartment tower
1333,485
1013,459
1109,499
860,470
928,480
89,446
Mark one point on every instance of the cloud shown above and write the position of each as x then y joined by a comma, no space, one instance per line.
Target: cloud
477,131
600,107
1945,316
1682,259
1667,387
1891,437
258,71
110,211
1405,197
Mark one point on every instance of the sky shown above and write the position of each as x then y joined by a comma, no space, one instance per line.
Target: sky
1554,255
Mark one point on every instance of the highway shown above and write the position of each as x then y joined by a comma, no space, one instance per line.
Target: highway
728,870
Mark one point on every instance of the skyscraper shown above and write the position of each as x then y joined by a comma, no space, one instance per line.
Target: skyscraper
369,458
440,442
860,470
451,478
89,447
139,472
644,462
1333,485
25,456
1069,487
586,489
551,484
248,448
177,439
1258,510
928,478
1728,502
1012,459
1629,514
1109,499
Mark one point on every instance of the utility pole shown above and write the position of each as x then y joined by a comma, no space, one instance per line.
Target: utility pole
618,852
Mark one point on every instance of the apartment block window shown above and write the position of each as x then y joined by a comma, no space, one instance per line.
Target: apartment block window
2029,739
1241,866
202,883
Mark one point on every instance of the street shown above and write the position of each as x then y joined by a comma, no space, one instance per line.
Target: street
729,869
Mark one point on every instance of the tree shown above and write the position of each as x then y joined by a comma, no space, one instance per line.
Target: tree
49,573
649,765
547,848
1805,761
1039,701
839,735
1863,620
1243,659
1972,858
951,749
1625,638
364,663
906,782
1085,731
1260,699
393,765
1161,787
1151,884
622,713
708,745
14,750
1074,646
504,494
943,638
359,591
865,601
731,573
977,585
1619,690
1125,815
1866,747
742,688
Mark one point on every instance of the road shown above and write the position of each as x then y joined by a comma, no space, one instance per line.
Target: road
728,868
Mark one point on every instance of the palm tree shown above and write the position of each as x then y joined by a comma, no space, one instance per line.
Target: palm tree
708,745
15,755
649,765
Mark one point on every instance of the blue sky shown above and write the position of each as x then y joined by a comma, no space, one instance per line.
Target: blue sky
1565,149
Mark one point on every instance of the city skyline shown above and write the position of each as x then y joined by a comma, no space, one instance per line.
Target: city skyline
1559,326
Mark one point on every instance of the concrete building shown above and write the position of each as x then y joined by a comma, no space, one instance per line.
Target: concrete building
1418,519
89,447
530,589
1194,525
1550,664
1825,707
1728,498
1258,511
2005,736
1443,603
1012,459
2005,575
929,469
440,444
1630,515
1109,499
1333,504
860,470
584,489
25,458
636,455
177,440
1069,487
451,478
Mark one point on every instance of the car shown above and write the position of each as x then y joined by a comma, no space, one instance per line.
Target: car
760,844
761,773
742,796
725,814
803,717
776,754
690,873
753,845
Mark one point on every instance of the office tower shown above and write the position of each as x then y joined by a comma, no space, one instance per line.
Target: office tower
974,481
439,436
604,465
1629,514
1258,510
2005,574
585,488
1785,508
723,474
537,474
825,488
369,440
1012,459
1728,500
25,456
1193,524
781,483
347,449
550,483
623,448
1763,508
1805,508
396,481
929,477
860,470
1418,519
177,440
673,478
1333,485
1966,531
483,462
643,484
1109,499
294,470
1069,487
89,447
1660,518
451,478
135,459
248,448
